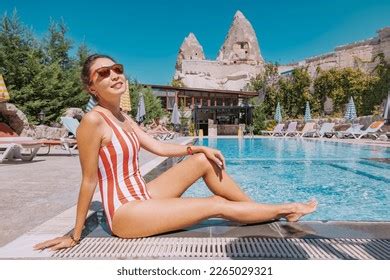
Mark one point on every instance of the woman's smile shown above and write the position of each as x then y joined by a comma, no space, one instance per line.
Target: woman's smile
117,85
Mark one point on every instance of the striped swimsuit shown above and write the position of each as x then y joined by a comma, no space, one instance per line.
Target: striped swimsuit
120,180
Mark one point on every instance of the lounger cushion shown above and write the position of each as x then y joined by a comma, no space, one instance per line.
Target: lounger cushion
376,124
6,131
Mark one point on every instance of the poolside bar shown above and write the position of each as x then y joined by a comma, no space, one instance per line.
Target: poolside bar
220,112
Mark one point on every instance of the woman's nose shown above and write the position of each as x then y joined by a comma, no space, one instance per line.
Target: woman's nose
114,76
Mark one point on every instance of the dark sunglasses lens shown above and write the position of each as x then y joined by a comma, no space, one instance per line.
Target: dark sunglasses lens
104,72
117,68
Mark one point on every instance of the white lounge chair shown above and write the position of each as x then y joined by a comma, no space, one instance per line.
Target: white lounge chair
71,125
16,147
325,130
307,130
348,132
291,129
372,130
278,130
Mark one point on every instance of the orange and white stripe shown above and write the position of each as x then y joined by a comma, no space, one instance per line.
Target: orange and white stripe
120,179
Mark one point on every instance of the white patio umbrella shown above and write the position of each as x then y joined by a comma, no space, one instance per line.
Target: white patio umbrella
350,113
175,119
140,109
278,114
386,113
91,103
307,112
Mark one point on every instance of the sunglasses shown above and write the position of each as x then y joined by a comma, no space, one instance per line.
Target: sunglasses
104,72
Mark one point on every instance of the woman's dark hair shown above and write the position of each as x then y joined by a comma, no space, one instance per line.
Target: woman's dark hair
85,71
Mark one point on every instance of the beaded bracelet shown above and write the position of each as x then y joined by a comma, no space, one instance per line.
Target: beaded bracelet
189,150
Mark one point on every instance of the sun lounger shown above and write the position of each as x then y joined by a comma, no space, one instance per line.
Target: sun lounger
354,128
15,147
71,125
278,130
163,136
307,130
372,130
291,129
325,130
66,143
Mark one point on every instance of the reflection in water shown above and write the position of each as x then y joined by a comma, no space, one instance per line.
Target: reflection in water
213,142
241,146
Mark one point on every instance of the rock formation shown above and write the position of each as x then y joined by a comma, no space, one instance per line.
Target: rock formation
238,60
241,44
190,50
17,120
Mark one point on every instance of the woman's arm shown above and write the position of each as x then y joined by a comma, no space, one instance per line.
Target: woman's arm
174,150
89,137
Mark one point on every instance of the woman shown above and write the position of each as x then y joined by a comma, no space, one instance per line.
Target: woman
109,143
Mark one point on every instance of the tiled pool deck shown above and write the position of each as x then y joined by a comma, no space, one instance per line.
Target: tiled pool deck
213,230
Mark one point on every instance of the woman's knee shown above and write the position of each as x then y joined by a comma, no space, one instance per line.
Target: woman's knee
203,161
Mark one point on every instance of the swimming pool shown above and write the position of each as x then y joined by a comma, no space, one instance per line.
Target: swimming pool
350,182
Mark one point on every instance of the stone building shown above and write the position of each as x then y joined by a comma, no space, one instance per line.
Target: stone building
362,55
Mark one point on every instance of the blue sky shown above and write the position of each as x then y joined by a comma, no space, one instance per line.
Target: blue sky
145,35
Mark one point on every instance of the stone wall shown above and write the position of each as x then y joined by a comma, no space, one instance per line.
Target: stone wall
356,55
217,75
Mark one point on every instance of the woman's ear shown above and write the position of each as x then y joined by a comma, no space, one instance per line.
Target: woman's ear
92,89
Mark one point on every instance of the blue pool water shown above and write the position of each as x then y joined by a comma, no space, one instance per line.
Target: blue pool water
349,181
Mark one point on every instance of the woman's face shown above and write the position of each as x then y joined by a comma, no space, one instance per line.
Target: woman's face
106,87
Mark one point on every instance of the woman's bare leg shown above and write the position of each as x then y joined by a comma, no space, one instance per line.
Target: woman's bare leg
155,216
176,180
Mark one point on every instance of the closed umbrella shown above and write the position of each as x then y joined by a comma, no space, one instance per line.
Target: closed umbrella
4,95
350,113
278,114
386,114
141,110
307,112
91,103
175,119
125,99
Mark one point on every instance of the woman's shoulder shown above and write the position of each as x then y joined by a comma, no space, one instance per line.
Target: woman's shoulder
92,118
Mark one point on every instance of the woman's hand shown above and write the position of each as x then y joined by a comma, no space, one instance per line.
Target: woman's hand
56,243
215,156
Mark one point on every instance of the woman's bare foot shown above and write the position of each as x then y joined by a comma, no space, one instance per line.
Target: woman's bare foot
301,210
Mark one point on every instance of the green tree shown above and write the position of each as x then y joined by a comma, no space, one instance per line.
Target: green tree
378,87
341,84
266,85
258,115
39,75
177,83
57,46
295,91
19,52
153,106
